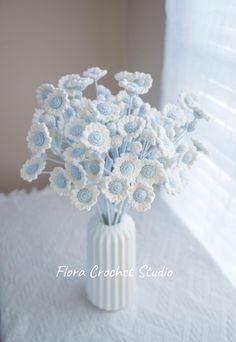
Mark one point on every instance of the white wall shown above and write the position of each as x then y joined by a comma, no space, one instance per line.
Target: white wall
145,41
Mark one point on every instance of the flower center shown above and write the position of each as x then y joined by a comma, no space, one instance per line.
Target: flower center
32,169
148,171
104,108
77,152
61,181
127,168
39,138
45,93
96,138
131,127
76,172
68,113
140,195
139,81
84,195
76,130
188,100
95,167
115,187
56,102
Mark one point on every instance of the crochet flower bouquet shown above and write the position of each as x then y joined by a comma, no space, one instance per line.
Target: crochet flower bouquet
111,151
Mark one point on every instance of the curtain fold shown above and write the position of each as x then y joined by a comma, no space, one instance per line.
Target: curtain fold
200,54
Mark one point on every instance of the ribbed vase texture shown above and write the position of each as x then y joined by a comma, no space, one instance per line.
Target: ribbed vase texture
111,249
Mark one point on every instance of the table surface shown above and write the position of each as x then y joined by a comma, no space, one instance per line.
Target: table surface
40,231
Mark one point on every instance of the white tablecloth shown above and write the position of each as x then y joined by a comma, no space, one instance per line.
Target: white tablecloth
40,231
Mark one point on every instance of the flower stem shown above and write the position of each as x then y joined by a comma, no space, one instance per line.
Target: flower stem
55,161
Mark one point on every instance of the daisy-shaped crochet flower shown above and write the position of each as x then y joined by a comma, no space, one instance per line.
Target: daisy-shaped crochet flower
97,137
43,91
105,111
187,100
135,83
76,174
74,129
95,73
176,114
199,146
84,197
172,180
151,172
59,181
38,138
32,168
75,153
130,126
141,196
95,167
115,188
56,102
74,84
128,166
190,156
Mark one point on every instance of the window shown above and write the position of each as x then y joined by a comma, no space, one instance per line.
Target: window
200,54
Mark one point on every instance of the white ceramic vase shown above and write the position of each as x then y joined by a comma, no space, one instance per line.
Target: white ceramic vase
111,249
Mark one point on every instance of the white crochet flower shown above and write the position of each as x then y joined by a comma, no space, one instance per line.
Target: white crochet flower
74,129
59,181
130,126
176,114
141,196
76,174
187,100
97,137
128,166
75,153
105,111
135,83
38,138
173,180
56,102
190,156
32,168
84,197
74,84
151,172
95,73
95,167
43,91
115,188
199,146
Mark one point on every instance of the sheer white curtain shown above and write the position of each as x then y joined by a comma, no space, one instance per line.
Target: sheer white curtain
200,54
